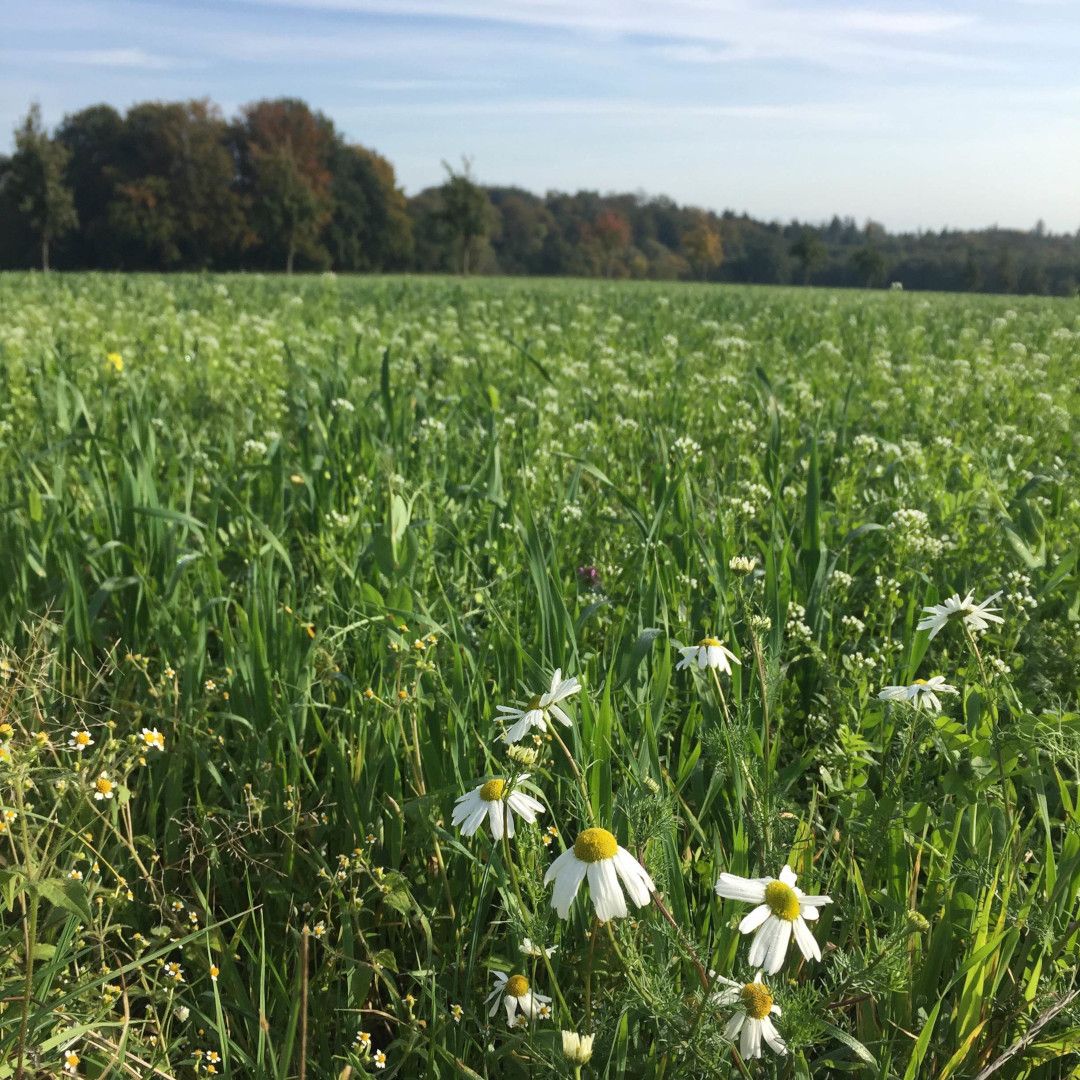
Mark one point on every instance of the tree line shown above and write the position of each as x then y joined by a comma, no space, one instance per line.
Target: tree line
178,186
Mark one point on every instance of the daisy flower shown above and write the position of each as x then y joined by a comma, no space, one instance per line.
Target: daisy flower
540,709
152,739
71,1062
709,652
577,1049
104,788
530,948
782,911
596,854
977,617
494,802
515,994
922,693
752,1021
80,740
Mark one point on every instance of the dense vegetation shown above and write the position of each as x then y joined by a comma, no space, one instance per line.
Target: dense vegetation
273,552
176,186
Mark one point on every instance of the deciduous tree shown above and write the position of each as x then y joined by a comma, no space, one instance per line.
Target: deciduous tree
36,183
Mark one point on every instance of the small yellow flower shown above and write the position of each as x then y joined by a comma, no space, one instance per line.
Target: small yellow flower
369,693
403,695
104,788
380,1060
6,731
80,740
215,971
174,971
114,361
5,753
363,1041
153,738
319,930
456,1013
71,1062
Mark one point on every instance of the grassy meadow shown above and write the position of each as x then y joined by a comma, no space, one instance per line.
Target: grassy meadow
273,552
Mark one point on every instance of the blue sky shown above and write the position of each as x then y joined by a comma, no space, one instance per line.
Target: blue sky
949,113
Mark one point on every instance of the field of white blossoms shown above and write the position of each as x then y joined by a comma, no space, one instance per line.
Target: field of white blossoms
518,679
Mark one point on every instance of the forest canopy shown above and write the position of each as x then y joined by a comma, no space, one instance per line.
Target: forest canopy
178,186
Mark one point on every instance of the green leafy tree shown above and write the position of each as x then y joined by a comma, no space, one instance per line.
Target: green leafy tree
35,179
810,252
466,214
869,264
94,140
144,220
369,227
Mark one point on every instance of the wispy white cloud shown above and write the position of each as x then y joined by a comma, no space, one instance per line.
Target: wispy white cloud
130,58
741,29
642,112
905,23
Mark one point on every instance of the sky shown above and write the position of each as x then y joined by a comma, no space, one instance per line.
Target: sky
955,113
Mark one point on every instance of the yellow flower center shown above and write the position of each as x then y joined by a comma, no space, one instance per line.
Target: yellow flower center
782,901
104,785
534,703
920,682
82,738
595,845
756,1000
493,790
706,642
517,986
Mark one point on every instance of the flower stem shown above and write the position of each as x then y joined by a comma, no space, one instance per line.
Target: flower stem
577,773
512,872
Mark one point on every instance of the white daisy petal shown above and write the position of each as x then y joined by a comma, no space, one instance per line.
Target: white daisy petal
566,886
763,939
756,917
774,961
608,899
634,877
734,1026
806,941
732,887
772,1036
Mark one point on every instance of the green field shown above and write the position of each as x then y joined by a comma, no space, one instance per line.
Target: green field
315,531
